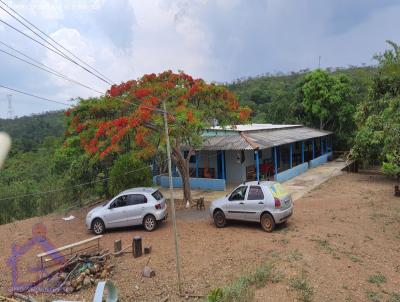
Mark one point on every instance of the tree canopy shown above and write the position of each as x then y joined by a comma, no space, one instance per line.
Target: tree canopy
378,117
128,118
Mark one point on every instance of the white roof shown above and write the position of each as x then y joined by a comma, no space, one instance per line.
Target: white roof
253,127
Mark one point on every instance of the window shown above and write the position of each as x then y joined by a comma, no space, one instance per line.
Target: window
255,193
135,199
120,202
157,195
238,194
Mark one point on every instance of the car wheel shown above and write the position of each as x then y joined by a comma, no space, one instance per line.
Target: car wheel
267,222
98,226
219,219
149,223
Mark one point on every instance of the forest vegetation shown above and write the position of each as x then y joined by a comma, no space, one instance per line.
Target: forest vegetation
361,105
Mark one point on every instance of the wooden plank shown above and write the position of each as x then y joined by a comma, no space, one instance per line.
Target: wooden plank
60,249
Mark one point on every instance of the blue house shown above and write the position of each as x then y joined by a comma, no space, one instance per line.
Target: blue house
254,152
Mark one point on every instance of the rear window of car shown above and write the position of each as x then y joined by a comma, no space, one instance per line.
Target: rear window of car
255,193
278,190
157,195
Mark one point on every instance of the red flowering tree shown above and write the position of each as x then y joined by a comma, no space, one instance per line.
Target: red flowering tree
129,117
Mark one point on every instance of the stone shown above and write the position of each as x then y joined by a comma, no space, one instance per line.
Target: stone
86,281
148,272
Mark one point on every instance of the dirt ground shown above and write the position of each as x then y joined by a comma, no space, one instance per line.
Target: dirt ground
344,239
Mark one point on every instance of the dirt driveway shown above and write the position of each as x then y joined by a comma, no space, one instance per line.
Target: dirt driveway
342,244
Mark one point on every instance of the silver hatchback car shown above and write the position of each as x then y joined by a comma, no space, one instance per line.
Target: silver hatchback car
266,202
138,206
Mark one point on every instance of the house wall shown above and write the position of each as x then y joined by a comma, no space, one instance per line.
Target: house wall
290,173
320,160
235,172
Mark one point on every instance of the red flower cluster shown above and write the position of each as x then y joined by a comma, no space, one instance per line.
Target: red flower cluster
193,89
244,113
92,146
68,112
140,136
120,122
190,116
105,152
142,92
144,113
117,90
80,127
149,77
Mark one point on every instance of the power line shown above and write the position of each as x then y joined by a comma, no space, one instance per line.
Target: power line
35,96
46,35
55,51
45,67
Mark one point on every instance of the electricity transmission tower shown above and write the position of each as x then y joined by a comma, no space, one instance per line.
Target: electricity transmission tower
10,111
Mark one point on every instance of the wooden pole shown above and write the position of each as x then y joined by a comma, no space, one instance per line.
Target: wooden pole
171,192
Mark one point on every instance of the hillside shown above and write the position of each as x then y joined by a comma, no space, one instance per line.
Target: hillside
37,163
29,132
275,98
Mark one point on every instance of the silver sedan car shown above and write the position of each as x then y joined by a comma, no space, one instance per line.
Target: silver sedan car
266,202
138,206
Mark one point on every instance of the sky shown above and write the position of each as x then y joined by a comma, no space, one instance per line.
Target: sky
217,40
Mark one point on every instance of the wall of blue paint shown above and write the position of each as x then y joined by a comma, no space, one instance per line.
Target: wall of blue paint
195,183
320,160
290,173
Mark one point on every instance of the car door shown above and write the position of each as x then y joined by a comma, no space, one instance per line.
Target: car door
234,208
254,203
116,213
136,209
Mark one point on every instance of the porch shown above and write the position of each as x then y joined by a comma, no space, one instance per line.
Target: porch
214,170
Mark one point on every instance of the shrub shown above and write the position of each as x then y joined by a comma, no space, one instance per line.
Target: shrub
122,177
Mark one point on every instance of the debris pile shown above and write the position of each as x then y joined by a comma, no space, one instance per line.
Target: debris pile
83,271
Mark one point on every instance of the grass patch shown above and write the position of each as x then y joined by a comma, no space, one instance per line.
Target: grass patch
242,289
294,256
373,296
394,297
302,286
377,279
355,258
324,244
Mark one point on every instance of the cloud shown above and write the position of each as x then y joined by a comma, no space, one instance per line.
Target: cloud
219,40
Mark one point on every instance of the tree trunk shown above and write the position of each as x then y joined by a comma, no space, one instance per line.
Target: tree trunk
182,164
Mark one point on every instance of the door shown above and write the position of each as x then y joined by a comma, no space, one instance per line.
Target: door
116,213
235,205
254,203
136,209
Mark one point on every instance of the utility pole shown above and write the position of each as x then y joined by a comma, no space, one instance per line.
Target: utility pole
171,192
319,62
10,111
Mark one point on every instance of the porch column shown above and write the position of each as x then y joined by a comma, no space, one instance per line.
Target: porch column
302,152
322,145
275,163
223,164
257,165
313,148
291,156
197,164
